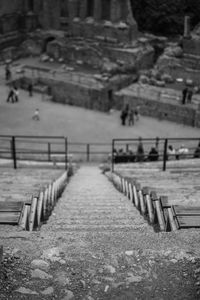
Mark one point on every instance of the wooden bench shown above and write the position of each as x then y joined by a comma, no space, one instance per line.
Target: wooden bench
10,212
178,216
186,217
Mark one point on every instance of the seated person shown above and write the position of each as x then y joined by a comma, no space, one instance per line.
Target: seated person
153,154
140,151
197,151
131,156
182,152
171,152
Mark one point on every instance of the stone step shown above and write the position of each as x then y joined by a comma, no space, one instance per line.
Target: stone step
91,203
105,227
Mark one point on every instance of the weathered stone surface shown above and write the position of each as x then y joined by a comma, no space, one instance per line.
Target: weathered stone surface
52,254
40,264
40,274
26,291
48,291
69,295
109,269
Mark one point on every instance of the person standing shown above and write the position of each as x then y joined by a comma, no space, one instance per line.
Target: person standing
123,117
7,72
137,113
30,89
131,117
189,96
36,115
184,94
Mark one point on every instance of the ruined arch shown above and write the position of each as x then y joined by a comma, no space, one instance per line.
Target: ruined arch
46,41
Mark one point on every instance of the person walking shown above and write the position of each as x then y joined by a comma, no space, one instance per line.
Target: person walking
16,94
36,115
11,95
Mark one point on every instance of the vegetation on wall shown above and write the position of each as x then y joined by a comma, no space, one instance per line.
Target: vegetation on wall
165,16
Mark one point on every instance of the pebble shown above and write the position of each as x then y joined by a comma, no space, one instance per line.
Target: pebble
83,284
106,288
133,278
69,295
110,269
174,261
40,264
197,271
40,274
52,254
25,291
48,291
129,253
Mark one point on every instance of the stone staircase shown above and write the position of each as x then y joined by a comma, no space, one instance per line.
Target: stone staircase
96,245
91,203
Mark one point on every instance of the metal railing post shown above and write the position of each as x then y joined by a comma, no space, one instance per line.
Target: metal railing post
88,152
14,152
49,151
66,153
112,155
165,155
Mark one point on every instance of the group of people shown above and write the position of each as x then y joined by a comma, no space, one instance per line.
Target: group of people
121,156
129,115
13,95
187,95
182,152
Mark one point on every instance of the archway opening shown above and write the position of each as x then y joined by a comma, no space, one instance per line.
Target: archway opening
46,41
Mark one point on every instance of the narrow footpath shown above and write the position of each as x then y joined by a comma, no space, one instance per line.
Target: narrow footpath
96,245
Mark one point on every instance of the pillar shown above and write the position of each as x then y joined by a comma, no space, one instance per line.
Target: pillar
97,10
114,11
51,14
72,9
186,27
83,9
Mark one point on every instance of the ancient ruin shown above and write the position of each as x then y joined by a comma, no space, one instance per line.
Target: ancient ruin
97,50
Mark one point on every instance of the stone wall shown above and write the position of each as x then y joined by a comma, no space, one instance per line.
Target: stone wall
192,46
183,114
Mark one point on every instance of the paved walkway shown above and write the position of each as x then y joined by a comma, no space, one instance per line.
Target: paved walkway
97,246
